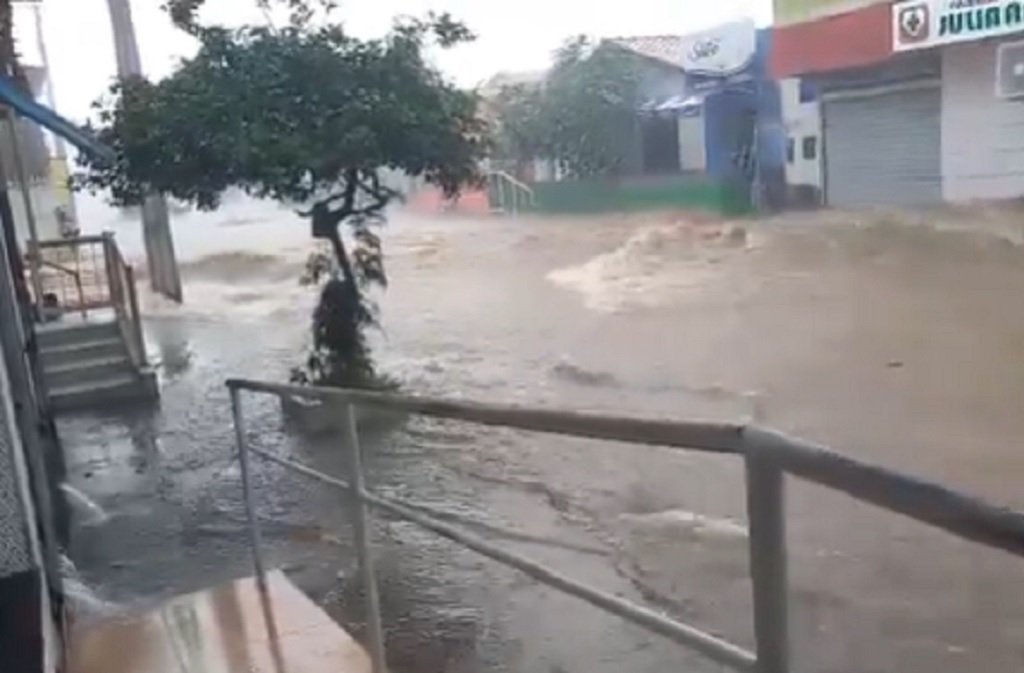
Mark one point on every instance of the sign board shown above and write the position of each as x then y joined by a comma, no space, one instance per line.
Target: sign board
920,24
720,51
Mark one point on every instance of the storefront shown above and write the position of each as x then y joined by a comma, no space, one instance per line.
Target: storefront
882,134
982,84
880,112
919,100
739,122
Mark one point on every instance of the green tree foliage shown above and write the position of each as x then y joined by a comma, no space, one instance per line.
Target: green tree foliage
520,134
581,116
184,13
305,115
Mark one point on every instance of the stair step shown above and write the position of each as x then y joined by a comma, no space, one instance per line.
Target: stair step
58,334
93,393
85,370
113,360
67,354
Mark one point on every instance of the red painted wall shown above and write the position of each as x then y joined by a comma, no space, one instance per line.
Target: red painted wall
858,38
430,200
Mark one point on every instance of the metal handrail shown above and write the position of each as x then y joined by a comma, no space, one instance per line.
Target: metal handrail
77,259
518,187
125,300
74,275
768,456
77,240
112,283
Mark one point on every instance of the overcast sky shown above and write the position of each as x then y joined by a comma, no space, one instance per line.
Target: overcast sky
513,34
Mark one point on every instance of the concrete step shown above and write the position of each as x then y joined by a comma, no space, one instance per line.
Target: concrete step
57,334
61,355
87,370
116,388
228,629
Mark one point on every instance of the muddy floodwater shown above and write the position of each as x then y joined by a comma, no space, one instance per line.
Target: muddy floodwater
896,339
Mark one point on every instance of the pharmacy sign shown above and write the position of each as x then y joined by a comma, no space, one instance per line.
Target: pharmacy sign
919,24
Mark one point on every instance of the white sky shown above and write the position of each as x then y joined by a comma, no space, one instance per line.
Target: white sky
512,34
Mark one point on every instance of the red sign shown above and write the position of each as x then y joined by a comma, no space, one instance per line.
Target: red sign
858,38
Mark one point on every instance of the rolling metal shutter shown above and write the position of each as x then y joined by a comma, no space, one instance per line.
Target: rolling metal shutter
882,147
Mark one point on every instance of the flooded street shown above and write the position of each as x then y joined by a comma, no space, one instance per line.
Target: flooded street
901,345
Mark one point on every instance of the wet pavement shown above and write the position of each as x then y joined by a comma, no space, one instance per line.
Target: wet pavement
898,344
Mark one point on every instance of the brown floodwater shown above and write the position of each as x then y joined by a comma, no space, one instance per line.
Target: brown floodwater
896,339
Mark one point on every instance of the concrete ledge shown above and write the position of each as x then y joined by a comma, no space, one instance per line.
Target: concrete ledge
229,629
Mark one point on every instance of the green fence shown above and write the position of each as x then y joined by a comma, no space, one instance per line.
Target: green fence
637,194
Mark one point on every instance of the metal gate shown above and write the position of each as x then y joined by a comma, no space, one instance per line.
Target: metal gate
883,146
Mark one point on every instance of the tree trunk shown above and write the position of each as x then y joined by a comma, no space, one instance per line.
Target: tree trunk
325,224
343,260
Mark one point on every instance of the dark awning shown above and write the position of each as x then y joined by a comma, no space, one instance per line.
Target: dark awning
679,104
11,95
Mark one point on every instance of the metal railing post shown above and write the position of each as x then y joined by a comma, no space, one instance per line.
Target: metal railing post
362,533
135,316
766,515
247,493
114,290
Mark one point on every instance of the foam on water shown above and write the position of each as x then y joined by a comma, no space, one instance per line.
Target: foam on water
655,266
82,600
569,371
84,506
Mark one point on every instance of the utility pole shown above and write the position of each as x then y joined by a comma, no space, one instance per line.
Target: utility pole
156,228
59,164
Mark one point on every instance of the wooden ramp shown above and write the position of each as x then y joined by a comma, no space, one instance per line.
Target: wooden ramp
231,629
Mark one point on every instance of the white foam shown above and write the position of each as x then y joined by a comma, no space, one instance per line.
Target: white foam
655,266
688,524
83,603
84,506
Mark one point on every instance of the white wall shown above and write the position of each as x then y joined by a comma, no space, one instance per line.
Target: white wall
982,136
44,201
800,120
692,156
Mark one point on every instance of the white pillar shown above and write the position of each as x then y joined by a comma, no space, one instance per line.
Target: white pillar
163,265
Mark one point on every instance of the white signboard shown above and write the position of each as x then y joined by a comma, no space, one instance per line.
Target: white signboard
919,24
723,50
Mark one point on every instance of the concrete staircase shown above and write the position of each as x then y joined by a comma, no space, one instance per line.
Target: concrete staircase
88,365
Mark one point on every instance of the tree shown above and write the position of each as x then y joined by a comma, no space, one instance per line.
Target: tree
519,130
582,115
305,115
184,13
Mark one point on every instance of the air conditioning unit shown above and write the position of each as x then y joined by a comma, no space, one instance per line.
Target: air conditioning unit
1010,71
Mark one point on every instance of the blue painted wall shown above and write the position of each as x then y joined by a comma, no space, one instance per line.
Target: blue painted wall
732,105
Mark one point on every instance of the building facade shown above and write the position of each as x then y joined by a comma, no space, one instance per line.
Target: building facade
27,533
909,107
719,113
982,134
801,116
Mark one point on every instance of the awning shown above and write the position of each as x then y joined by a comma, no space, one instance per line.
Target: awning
11,95
681,104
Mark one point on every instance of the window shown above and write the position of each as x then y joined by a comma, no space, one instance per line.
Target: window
810,147
790,150
808,91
